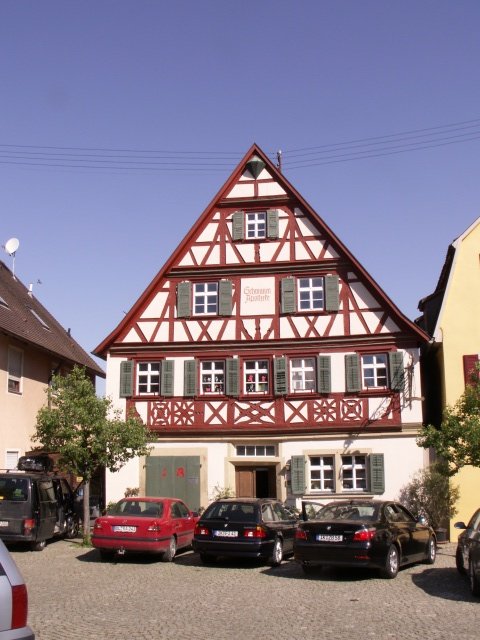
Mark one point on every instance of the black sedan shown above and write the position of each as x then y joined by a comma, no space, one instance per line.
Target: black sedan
468,551
363,533
245,528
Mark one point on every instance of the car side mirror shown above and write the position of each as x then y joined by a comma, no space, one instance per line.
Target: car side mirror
422,520
460,525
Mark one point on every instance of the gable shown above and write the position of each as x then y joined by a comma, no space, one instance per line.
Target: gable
294,236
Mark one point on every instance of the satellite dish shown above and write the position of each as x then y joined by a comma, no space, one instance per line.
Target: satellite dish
11,246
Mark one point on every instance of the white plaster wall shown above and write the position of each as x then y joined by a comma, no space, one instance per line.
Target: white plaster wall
116,483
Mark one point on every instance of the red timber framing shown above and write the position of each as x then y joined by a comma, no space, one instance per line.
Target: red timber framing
297,245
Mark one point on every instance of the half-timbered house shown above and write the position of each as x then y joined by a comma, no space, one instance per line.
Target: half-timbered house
265,360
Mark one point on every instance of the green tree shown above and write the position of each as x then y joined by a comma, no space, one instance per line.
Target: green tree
457,440
87,432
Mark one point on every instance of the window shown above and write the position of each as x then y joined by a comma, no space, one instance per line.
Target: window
148,378
15,370
256,376
374,371
306,294
11,458
354,473
310,294
205,298
212,377
322,470
302,374
337,473
255,450
256,225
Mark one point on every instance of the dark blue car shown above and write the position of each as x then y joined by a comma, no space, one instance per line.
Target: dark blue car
468,551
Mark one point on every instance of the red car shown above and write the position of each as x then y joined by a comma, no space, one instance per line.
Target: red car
145,525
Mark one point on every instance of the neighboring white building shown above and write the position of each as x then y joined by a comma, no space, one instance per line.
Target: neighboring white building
265,359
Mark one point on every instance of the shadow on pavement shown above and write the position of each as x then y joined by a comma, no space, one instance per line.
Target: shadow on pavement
446,583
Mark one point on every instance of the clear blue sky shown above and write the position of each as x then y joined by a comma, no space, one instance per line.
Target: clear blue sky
212,77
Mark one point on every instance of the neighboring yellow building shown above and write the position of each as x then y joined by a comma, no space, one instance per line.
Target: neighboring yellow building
451,316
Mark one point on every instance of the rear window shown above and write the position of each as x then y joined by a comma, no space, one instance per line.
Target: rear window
238,511
347,512
137,508
14,489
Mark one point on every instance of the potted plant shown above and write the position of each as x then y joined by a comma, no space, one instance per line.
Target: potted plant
430,494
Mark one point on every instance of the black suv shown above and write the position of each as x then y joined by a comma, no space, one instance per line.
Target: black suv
35,505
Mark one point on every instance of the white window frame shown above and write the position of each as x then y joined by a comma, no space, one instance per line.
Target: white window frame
255,450
322,474
358,473
15,371
256,225
256,376
148,375
212,377
375,372
303,375
205,298
311,294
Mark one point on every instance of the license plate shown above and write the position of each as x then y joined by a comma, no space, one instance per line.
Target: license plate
321,537
225,534
123,529
3,523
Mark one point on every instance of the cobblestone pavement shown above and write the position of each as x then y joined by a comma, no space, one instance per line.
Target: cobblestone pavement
74,595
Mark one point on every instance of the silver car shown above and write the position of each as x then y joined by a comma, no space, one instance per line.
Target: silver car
13,600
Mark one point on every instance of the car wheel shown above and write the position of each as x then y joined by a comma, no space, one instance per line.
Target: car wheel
474,582
169,554
431,551
459,561
392,563
277,553
39,545
106,556
71,529
207,558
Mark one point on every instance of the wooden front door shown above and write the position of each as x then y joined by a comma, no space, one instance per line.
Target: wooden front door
255,482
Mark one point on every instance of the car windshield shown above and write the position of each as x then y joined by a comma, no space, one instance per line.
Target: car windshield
361,511
14,489
137,508
231,511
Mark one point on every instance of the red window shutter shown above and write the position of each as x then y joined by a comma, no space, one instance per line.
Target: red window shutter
469,368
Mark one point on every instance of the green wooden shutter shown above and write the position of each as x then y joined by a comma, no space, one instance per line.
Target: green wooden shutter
280,376
166,388
332,301
272,223
297,474
397,372
190,378
377,473
126,379
184,299
289,301
324,377
352,373
225,298
238,225
232,377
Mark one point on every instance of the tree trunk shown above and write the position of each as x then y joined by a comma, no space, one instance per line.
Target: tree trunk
86,512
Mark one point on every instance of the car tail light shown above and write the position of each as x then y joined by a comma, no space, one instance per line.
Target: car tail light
19,606
301,534
255,532
364,535
28,525
97,525
201,531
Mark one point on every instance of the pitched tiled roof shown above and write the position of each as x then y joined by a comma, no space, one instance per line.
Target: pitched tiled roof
22,316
